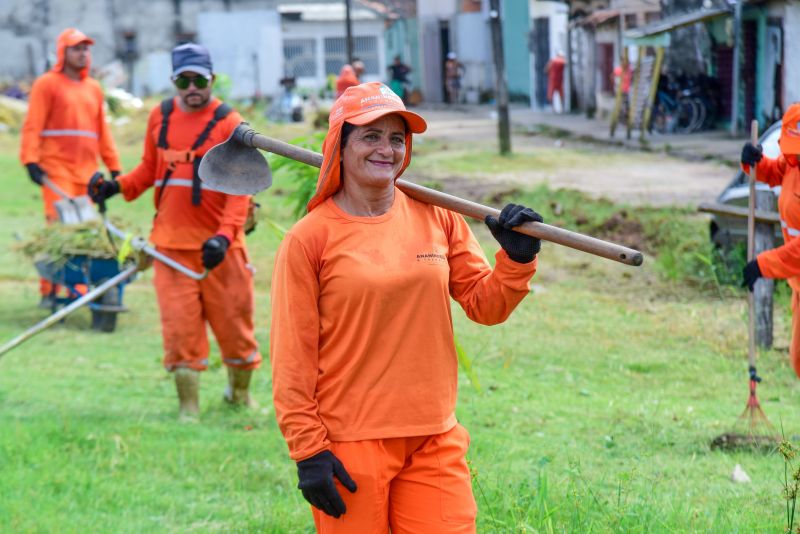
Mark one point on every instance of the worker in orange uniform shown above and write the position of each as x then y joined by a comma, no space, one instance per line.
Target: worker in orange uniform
363,360
784,261
65,130
200,229
347,78
554,70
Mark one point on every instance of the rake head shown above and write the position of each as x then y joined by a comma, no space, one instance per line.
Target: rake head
753,418
753,430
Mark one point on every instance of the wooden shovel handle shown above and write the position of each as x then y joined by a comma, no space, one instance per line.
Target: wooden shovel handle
751,253
249,137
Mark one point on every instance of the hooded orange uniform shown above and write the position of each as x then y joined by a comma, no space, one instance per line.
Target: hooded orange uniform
362,351
65,130
225,297
784,261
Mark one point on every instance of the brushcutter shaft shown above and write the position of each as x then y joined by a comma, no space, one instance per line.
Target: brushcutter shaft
66,310
140,244
249,137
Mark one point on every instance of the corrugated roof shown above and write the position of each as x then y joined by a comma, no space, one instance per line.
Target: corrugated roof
599,17
676,21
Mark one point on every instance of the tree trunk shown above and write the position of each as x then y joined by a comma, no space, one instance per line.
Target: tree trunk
764,287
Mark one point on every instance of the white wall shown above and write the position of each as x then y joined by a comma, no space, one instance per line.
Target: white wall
472,42
438,9
322,29
247,46
791,54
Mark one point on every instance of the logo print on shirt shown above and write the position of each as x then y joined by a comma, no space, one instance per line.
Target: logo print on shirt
432,258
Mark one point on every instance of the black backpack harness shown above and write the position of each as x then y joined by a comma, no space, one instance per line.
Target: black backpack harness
174,157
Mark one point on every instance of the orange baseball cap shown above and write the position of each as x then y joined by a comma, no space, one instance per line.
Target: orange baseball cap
73,36
359,105
790,131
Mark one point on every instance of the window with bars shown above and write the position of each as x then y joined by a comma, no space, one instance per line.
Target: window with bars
300,57
365,48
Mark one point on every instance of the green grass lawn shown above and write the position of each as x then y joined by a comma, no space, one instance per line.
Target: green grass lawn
595,405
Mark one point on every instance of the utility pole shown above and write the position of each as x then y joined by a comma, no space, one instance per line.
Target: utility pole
503,128
737,37
349,31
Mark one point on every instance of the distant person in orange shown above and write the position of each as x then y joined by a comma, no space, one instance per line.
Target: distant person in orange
65,131
453,71
347,78
782,262
363,360
555,81
201,229
622,77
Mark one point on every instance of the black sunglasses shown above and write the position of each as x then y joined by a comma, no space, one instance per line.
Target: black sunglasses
182,82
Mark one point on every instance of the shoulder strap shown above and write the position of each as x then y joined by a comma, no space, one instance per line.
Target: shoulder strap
167,106
220,113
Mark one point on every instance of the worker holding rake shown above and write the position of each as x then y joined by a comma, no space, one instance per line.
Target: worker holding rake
65,131
199,228
363,358
784,261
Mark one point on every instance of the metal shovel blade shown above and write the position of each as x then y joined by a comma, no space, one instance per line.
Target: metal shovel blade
76,210
235,169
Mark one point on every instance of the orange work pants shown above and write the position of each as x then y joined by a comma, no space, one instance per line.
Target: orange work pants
224,300
794,344
417,485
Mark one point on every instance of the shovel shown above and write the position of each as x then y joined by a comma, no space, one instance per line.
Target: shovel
235,167
71,210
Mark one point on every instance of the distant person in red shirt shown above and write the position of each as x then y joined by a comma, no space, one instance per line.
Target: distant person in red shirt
555,81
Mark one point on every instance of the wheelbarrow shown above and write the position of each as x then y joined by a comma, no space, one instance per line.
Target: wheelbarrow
101,272
82,273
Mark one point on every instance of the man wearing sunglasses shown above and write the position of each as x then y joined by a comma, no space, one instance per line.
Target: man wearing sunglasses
200,228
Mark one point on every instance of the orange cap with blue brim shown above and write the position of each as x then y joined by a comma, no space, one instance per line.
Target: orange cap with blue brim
359,105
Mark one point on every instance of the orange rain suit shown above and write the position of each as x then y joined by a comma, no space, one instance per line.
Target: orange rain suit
363,356
225,297
784,261
65,130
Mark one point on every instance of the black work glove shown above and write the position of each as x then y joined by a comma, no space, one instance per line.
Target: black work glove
214,250
35,172
316,482
101,189
751,154
114,174
750,274
520,247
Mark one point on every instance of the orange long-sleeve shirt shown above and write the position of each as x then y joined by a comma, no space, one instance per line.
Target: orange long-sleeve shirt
362,336
179,224
784,261
65,130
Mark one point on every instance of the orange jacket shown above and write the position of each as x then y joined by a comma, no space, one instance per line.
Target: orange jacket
65,129
361,342
784,261
179,224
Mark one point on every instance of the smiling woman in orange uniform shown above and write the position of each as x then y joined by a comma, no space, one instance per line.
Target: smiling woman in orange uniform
363,360
784,261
